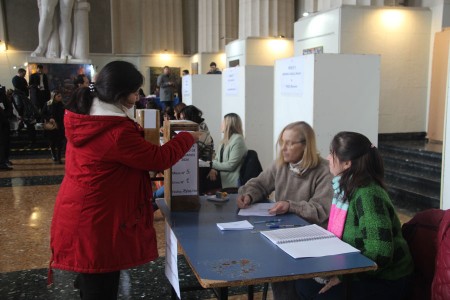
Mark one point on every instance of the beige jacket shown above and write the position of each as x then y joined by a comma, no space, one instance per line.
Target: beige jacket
309,194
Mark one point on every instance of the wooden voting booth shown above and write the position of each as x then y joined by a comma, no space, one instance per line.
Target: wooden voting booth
149,120
181,181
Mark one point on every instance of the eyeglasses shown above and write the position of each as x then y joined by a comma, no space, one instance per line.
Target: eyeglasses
290,144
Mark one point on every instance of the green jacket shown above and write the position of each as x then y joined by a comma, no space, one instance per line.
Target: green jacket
233,157
373,227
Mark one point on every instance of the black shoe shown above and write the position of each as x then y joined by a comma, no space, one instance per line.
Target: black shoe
5,167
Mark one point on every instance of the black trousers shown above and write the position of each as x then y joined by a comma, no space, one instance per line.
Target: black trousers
99,286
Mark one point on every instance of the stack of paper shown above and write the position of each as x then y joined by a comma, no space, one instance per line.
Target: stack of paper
308,241
240,225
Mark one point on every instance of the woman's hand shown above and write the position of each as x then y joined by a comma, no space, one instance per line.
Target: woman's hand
212,175
280,207
333,281
196,135
244,201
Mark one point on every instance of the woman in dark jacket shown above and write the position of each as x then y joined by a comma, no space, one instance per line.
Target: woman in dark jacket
53,112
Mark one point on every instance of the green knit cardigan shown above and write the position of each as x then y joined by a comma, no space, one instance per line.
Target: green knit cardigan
373,227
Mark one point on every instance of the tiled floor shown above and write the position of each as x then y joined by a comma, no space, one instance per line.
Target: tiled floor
27,196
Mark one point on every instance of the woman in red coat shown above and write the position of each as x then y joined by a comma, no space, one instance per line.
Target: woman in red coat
103,216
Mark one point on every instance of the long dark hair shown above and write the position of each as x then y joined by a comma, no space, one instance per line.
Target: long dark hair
114,83
192,113
366,162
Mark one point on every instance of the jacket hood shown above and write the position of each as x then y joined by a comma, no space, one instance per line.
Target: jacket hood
80,129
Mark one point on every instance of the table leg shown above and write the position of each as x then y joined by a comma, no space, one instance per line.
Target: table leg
221,293
250,290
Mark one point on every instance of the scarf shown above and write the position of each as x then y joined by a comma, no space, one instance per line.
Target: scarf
338,212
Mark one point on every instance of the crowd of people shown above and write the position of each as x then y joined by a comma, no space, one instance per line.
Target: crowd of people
108,163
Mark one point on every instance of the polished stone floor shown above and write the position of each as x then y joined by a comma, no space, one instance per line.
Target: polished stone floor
27,196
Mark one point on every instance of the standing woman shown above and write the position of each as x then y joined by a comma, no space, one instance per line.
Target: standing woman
229,159
363,216
53,112
103,216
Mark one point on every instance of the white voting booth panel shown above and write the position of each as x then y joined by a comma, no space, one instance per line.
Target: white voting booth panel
248,92
205,92
331,92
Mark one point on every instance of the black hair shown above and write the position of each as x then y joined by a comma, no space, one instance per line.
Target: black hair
39,66
366,162
115,82
79,80
212,64
186,72
192,113
21,70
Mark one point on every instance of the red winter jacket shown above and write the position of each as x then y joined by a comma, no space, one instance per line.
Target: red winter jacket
103,218
440,289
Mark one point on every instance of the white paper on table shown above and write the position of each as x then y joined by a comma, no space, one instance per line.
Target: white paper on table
171,268
239,225
257,209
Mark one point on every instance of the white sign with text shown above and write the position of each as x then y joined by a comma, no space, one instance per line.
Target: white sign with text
184,174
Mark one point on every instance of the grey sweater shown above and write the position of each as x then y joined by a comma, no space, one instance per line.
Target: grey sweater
309,194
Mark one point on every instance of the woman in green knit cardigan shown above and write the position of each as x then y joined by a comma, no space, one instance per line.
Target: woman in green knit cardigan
363,216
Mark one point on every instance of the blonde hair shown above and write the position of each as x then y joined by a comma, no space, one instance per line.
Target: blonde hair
232,124
306,135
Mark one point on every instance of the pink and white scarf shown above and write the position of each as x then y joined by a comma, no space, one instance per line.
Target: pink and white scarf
338,212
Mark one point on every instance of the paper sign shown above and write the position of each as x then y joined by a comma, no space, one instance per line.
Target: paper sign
184,174
150,118
186,85
231,81
171,268
291,79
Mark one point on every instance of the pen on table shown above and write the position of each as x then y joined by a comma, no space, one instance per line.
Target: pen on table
267,221
284,226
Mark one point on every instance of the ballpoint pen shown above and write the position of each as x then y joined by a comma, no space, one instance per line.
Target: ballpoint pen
267,221
283,226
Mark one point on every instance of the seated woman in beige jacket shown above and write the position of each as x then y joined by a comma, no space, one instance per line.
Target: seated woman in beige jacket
302,183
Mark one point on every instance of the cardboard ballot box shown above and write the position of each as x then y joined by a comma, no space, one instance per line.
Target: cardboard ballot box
149,120
181,181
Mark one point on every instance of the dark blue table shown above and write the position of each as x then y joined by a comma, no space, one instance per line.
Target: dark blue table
222,259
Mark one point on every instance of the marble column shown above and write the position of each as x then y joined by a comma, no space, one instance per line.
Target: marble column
80,41
266,18
146,27
217,24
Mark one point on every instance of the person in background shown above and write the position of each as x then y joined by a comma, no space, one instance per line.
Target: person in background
103,217
362,215
185,72
225,167
81,81
40,92
301,181
177,110
53,111
142,103
205,142
6,113
20,83
213,69
166,86
28,115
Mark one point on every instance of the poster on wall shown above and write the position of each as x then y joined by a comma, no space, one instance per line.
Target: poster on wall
231,83
315,50
61,76
291,79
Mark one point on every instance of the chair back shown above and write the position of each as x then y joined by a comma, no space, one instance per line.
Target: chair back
251,167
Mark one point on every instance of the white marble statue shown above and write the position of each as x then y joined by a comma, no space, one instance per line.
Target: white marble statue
49,32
